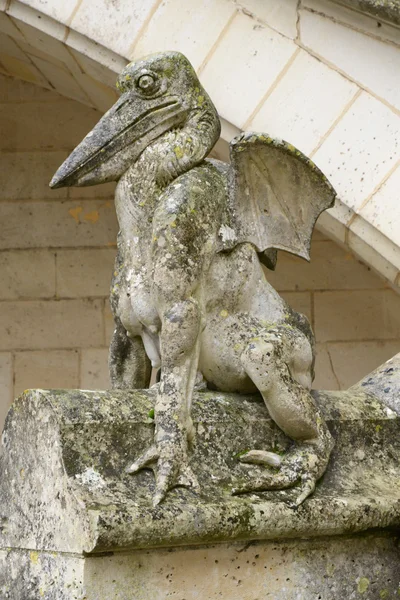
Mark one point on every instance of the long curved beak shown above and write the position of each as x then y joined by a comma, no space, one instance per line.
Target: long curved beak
118,139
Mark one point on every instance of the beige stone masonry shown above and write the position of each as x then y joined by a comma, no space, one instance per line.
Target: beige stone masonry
340,364
84,272
349,53
176,24
51,324
27,274
297,115
357,315
45,369
56,223
34,170
256,75
94,369
59,119
306,69
330,268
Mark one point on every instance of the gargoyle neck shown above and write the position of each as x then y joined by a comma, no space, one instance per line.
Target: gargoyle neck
165,159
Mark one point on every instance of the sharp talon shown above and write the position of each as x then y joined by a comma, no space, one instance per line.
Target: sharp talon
307,490
261,457
150,456
158,498
134,468
188,479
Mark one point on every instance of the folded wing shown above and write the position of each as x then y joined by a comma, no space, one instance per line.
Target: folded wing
276,194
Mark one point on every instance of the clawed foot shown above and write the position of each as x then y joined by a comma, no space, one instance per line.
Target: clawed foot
170,467
302,466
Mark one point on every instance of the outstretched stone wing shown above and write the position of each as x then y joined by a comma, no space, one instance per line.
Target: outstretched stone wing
276,195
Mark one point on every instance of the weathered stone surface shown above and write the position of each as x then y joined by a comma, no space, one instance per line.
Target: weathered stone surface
388,10
73,525
64,453
365,566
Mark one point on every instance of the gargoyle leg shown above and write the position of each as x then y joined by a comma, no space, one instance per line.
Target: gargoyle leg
181,324
184,233
129,365
291,406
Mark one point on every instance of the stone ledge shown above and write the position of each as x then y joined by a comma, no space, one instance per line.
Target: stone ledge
387,10
63,485
344,567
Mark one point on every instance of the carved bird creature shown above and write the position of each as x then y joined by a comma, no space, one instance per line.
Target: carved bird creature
189,294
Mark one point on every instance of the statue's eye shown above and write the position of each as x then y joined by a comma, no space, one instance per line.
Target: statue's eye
146,82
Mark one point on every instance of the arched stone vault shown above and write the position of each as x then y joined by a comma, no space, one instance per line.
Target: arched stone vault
317,73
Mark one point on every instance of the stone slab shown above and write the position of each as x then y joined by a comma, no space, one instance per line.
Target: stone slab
63,486
361,566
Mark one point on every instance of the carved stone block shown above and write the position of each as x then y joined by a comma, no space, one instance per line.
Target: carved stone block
71,527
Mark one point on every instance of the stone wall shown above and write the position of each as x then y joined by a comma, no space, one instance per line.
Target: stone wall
322,74
56,258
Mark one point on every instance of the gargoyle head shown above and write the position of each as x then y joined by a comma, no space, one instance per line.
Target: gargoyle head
158,93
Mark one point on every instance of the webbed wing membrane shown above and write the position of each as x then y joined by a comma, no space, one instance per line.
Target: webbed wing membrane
276,195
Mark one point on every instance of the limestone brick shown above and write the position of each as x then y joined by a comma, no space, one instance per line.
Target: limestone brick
115,27
105,190
330,268
84,273
22,69
357,315
61,79
37,41
382,211
46,370
355,19
93,68
352,360
293,114
59,10
102,55
27,174
27,274
51,324
56,224
340,365
325,377
28,17
30,129
94,369
8,27
10,48
349,51
14,91
192,28
255,74
318,236
375,248
281,16
100,95
356,158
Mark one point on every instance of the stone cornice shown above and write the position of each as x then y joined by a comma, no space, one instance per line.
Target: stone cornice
387,10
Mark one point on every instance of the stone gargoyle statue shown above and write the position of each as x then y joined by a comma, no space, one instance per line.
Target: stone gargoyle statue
189,293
